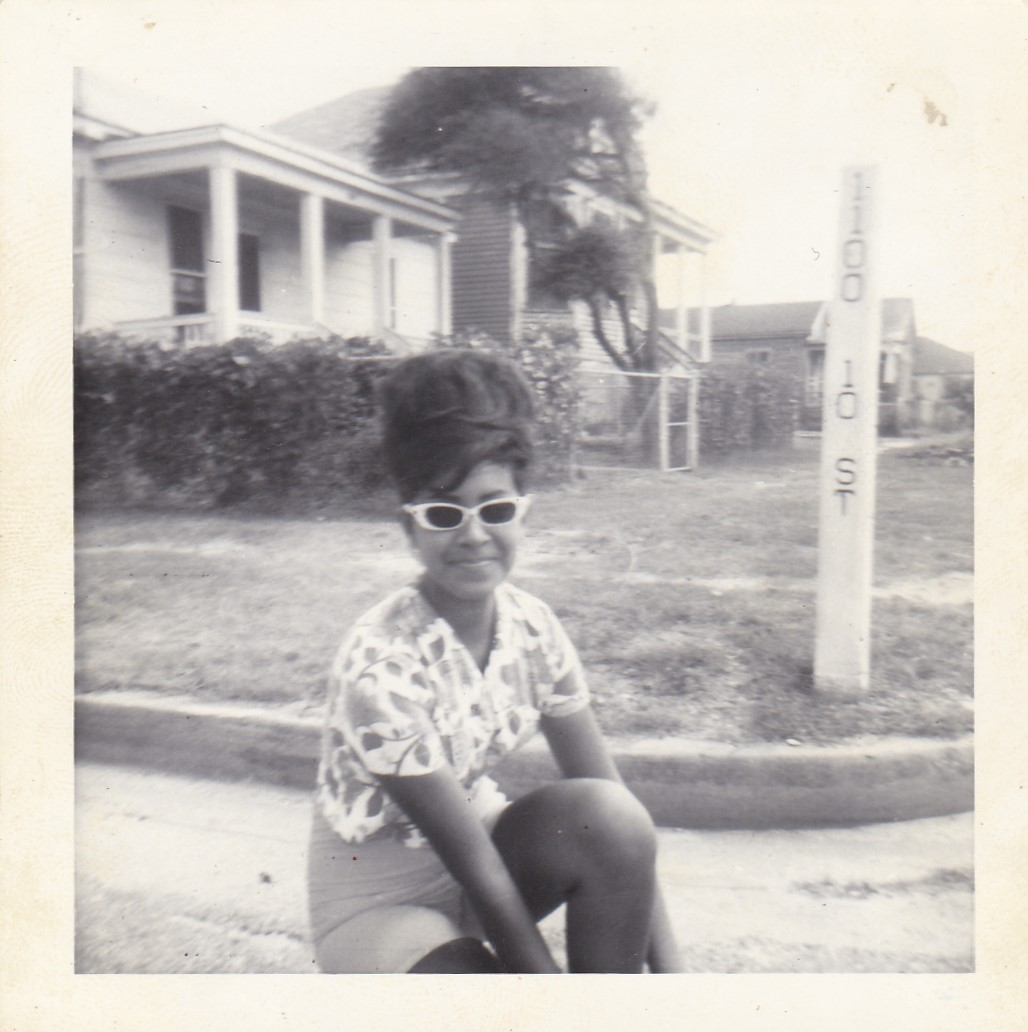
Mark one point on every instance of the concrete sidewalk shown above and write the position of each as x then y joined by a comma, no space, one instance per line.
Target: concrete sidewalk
179,874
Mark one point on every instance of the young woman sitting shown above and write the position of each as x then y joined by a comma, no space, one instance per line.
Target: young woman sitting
417,861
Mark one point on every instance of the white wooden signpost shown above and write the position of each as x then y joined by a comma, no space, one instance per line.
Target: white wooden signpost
849,447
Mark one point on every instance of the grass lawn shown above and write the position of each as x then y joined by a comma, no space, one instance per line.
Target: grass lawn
690,597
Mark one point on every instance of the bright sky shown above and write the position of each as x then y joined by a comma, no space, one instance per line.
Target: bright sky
758,109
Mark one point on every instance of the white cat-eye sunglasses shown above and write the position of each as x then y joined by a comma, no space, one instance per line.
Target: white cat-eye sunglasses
496,512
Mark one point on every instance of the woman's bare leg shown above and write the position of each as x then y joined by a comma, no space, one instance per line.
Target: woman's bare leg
589,843
466,956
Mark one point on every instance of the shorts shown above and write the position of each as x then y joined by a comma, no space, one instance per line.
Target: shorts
380,906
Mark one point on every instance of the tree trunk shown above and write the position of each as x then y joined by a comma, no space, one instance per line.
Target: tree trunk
627,329
651,345
596,311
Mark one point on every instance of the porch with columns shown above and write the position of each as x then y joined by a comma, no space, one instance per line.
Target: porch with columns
301,198
692,312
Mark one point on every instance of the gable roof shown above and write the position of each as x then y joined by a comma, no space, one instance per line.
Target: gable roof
802,319
931,357
786,319
345,125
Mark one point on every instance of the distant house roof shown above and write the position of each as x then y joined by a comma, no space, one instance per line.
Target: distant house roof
803,319
345,125
933,358
787,319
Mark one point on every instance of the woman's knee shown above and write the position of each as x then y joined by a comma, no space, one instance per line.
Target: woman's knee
584,824
616,826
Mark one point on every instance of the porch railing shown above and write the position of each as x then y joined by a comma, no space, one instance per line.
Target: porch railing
182,329
199,329
253,324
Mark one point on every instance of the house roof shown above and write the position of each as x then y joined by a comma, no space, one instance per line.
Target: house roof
266,157
347,126
133,137
344,126
786,319
933,358
802,319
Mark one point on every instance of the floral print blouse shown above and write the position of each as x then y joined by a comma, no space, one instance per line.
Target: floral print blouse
406,697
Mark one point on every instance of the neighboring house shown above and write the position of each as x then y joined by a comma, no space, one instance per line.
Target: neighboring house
937,369
207,232
493,288
790,336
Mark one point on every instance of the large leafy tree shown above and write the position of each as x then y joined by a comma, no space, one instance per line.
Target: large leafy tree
524,135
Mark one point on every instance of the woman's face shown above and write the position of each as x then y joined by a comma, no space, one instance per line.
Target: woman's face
470,562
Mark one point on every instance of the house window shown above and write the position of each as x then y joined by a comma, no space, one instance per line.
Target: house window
188,279
763,356
815,380
188,272
249,273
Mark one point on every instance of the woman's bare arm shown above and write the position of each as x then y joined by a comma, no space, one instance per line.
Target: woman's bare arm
438,805
580,752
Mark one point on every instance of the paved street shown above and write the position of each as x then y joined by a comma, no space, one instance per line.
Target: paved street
178,875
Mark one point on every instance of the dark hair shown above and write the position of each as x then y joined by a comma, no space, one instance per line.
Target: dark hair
444,412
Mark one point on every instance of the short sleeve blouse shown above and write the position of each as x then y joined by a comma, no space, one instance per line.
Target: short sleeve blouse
406,698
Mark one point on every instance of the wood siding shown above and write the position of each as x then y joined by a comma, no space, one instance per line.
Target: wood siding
592,355
416,289
123,260
283,295
349,286
482,264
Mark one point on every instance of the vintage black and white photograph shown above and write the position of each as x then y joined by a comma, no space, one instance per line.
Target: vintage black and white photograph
524,498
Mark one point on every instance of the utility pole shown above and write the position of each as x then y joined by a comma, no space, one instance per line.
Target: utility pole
849,446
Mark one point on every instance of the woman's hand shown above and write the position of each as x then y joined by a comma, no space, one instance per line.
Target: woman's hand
577,745
438,805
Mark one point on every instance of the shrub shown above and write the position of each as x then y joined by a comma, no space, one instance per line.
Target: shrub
746,406
548,356
960,395
209,426
277,426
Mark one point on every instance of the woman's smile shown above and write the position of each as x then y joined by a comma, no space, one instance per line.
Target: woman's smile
469,562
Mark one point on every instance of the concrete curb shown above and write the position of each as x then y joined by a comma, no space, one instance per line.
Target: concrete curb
684,784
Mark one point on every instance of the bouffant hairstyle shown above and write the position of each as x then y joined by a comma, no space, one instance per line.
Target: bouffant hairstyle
444,412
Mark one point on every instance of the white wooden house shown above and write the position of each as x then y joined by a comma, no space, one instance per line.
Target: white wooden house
207,232
494,289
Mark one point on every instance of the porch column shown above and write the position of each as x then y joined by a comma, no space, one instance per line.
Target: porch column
224,296
682,313
382,233
444,317
692,431
312,252
658,251
704,311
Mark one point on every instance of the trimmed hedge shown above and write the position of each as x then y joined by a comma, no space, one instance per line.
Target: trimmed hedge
278,426
745,406
548,356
